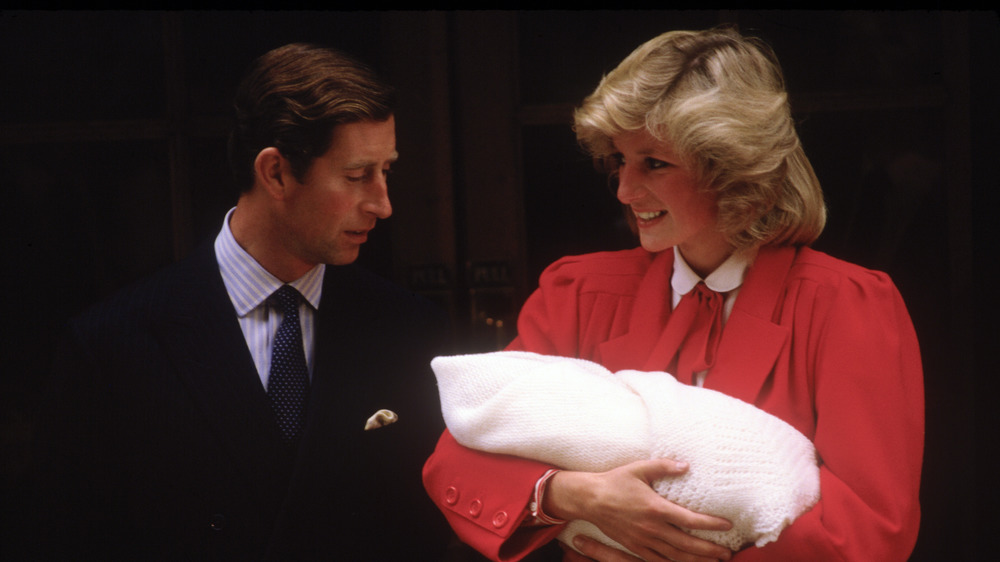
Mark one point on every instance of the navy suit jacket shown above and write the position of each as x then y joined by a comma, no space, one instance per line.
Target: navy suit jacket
160,442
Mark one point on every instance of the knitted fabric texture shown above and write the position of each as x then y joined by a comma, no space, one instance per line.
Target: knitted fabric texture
746,465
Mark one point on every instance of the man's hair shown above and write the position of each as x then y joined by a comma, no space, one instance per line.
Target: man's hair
719,99
292,99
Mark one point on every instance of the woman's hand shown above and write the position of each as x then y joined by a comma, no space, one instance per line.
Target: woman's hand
622,503
593,550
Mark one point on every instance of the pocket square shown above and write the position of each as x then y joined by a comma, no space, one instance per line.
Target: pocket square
381,418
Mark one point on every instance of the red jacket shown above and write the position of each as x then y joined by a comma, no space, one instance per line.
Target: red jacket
823,344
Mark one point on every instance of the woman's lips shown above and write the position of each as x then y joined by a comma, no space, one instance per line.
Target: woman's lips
646,218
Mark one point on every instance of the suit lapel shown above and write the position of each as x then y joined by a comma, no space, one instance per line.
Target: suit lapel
205,344
332,393
330,352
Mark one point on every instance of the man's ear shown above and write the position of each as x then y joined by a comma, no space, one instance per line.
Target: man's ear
273,172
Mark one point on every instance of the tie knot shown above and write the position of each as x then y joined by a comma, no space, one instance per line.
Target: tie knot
287,299
706,294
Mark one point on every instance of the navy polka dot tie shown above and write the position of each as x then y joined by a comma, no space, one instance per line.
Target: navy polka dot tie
288,382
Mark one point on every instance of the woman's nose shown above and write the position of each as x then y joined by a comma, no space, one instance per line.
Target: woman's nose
629,184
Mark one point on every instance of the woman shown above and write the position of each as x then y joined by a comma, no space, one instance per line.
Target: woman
699,133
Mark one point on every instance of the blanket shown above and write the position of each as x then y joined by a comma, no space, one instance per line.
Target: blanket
746,465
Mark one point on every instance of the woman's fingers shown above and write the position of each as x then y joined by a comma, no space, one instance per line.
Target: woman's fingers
595,550
653,470
622,503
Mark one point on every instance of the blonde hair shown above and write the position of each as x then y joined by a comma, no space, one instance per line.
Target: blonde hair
719,99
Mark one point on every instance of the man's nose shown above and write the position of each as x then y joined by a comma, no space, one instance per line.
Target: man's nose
378,202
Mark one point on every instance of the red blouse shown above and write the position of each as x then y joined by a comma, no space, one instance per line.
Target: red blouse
823,344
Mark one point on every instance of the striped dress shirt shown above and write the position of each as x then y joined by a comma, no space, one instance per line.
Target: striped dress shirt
249,285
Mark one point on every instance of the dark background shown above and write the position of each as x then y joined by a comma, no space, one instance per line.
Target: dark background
112,164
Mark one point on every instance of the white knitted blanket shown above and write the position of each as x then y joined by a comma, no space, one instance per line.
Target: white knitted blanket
746,465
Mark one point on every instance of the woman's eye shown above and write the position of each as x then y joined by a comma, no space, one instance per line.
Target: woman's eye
654,164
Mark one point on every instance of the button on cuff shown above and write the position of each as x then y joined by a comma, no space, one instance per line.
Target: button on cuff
500,519
451,495
475,508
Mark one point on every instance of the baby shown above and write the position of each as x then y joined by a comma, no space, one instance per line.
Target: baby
747,466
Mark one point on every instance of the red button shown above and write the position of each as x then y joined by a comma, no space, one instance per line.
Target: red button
451,496
475,508
499,519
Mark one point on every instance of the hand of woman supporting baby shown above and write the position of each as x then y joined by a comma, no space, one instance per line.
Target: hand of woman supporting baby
622,503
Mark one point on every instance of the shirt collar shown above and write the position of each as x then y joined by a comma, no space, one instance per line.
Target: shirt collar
248,283
725,278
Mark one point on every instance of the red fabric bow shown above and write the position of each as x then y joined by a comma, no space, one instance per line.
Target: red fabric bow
693,331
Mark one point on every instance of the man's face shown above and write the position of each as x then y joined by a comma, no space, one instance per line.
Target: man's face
329,214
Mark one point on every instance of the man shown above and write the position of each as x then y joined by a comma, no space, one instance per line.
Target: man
171,435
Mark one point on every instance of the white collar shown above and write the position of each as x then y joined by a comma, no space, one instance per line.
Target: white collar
727,277
248,283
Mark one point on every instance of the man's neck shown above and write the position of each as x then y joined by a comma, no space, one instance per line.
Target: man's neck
253,230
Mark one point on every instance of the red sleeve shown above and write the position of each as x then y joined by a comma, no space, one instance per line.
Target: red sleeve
581,302
548,321
868,397
485,498
477,490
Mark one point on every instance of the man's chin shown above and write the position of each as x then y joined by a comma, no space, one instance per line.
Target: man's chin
344,256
